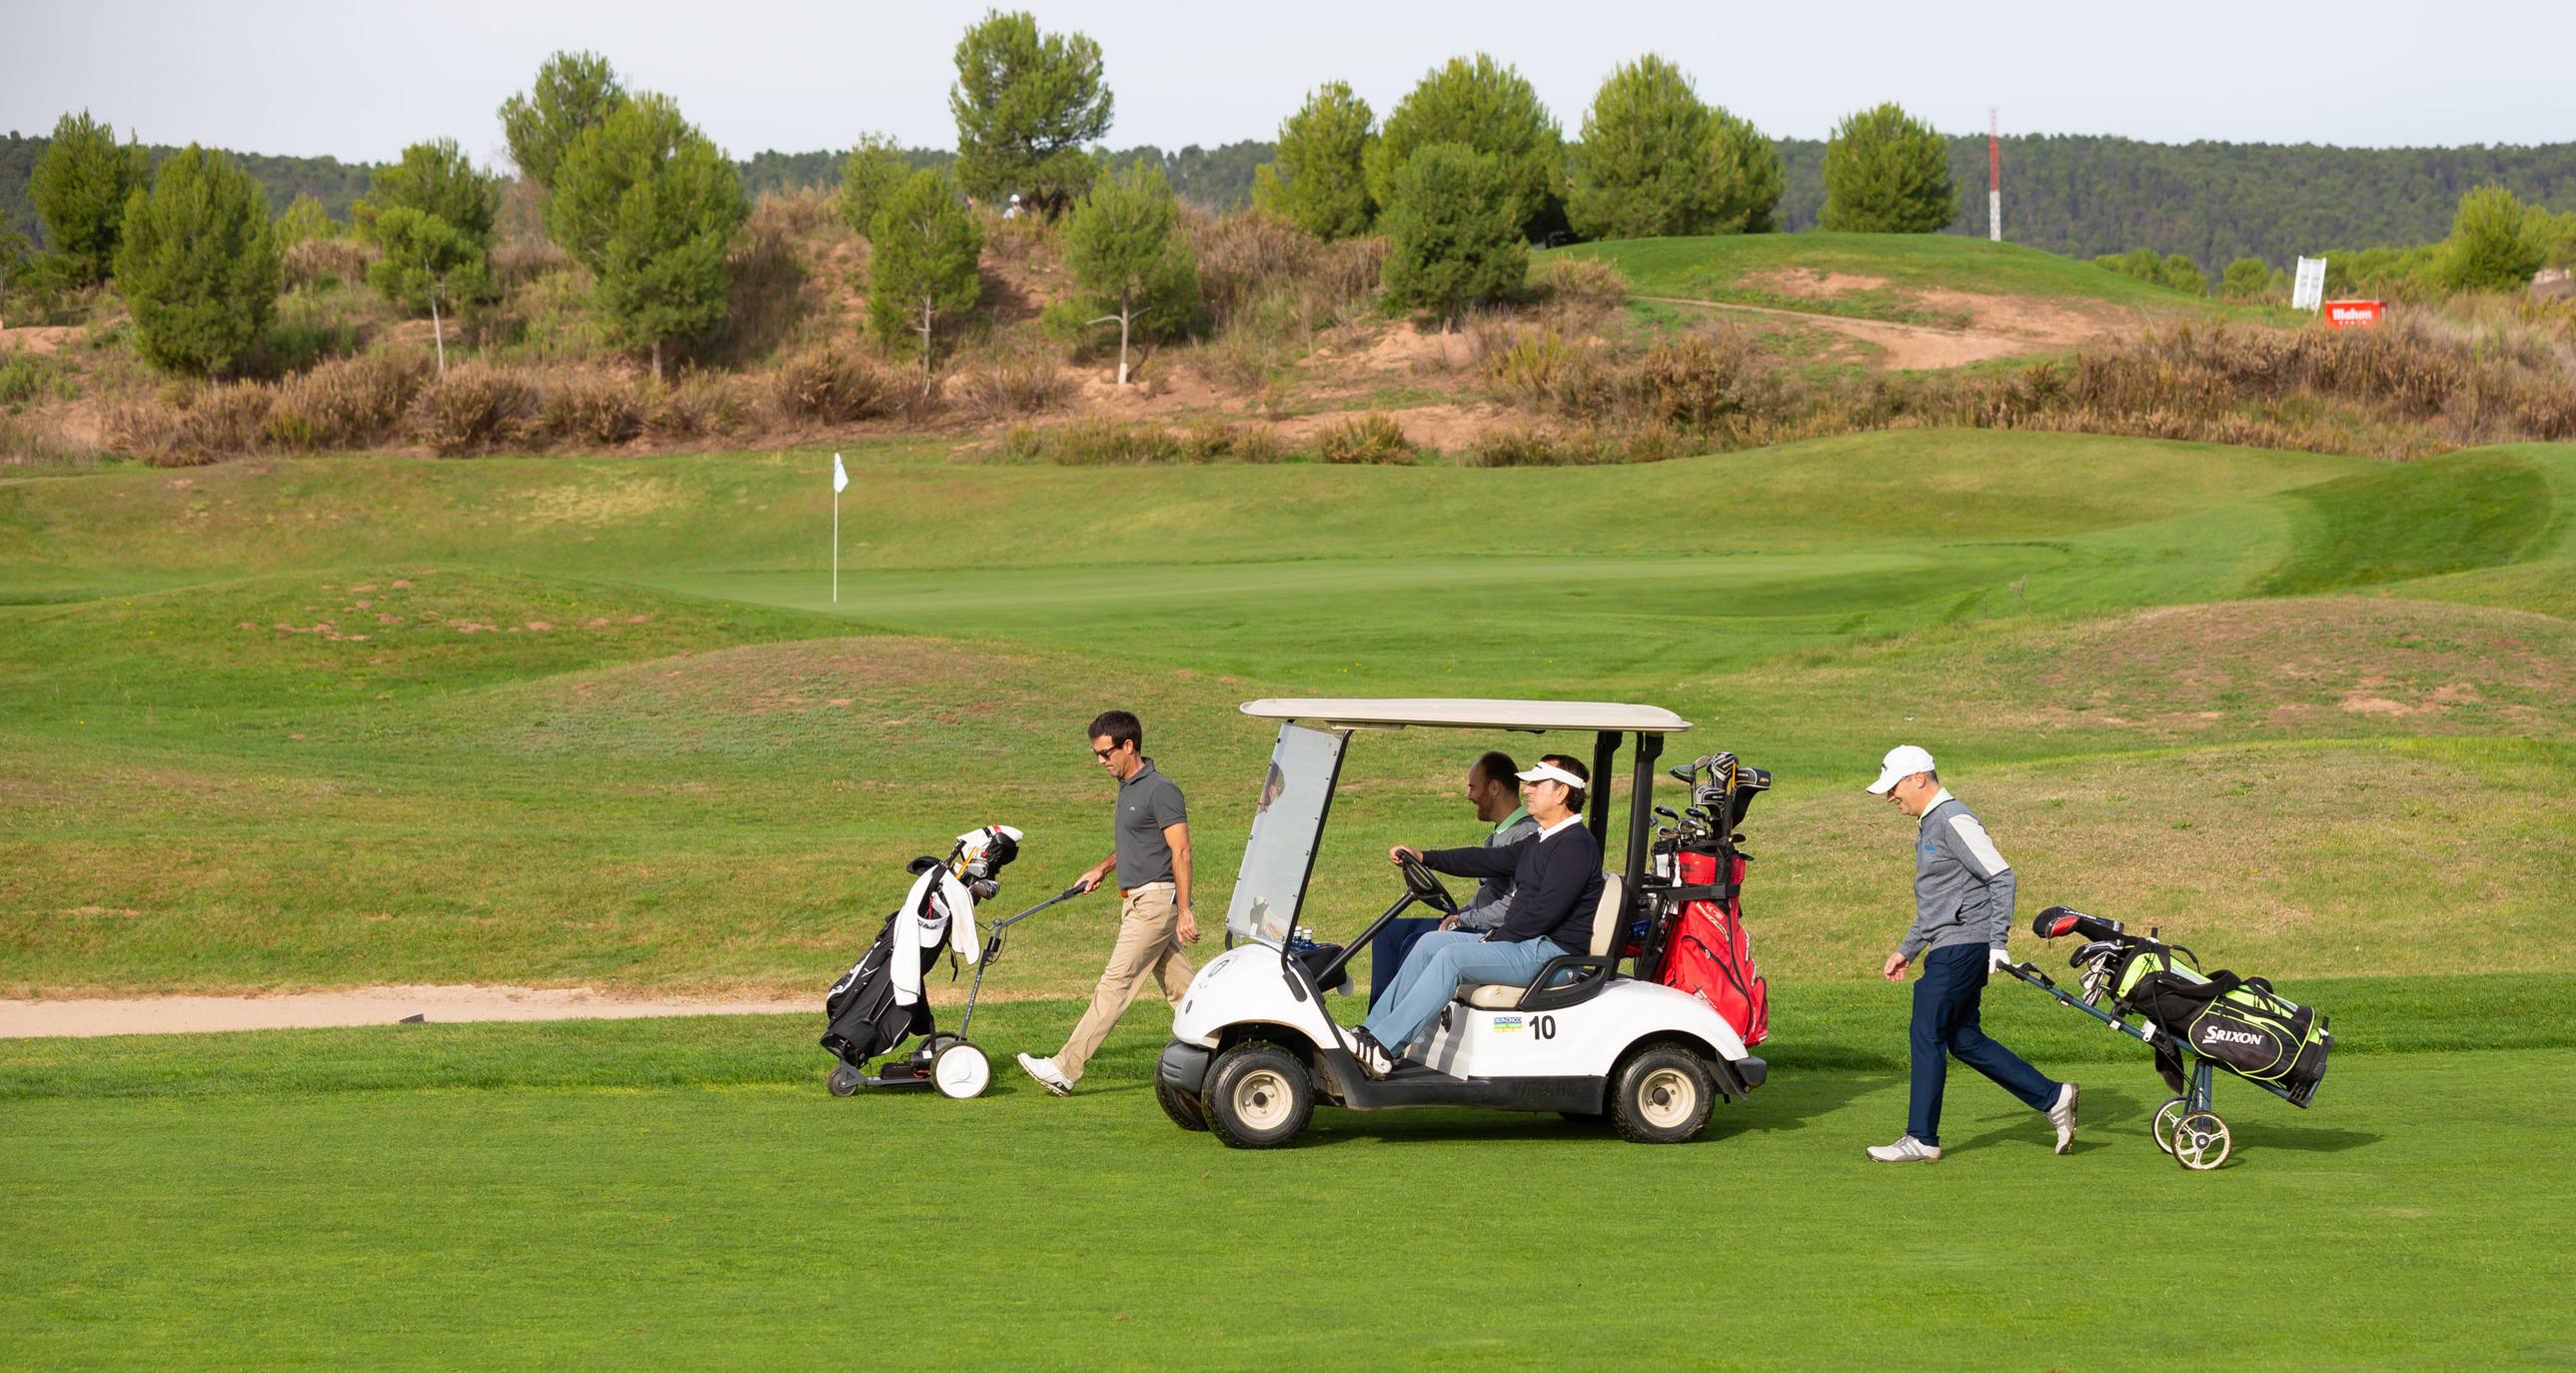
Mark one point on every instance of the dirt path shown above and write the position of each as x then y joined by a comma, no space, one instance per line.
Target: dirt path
42,1018
1906,346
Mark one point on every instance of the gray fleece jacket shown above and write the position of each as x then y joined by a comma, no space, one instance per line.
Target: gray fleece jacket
1963,888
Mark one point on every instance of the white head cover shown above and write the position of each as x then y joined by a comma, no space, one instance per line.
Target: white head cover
1901,762
981,838
1550,772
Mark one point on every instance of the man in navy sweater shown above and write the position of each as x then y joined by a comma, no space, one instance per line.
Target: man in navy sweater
1556,883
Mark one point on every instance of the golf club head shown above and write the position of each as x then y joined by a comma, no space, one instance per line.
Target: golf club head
2059,921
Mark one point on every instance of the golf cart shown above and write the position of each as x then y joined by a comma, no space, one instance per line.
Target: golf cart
1255,1048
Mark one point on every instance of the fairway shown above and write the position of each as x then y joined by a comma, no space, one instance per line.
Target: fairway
600,1190
334,722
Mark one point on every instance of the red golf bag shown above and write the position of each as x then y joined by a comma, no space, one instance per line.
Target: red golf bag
1707,954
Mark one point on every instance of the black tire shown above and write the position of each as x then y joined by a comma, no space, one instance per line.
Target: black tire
1259,1096
1661,1095
844,1080
1185,1110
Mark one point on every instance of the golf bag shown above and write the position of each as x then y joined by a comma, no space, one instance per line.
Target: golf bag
2240,1024
1707,954
878,1003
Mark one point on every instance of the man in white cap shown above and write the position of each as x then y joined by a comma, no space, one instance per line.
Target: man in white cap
1963,906
1556,885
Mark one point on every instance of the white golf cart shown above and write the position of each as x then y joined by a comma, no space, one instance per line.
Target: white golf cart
1255,1046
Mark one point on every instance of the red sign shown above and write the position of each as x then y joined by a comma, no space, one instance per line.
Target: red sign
2355,314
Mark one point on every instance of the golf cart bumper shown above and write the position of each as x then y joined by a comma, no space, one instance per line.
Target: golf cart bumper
1184,1067
1750,1071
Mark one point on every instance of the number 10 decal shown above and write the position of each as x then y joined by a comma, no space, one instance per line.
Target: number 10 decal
1544,1027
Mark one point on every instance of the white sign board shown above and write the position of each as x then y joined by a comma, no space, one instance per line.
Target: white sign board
2308,289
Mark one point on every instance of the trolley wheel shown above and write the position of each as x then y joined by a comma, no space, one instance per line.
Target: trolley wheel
2166,1115
2200,1141
1186,1111
1259,1096
937,1043
960,1071
844,1081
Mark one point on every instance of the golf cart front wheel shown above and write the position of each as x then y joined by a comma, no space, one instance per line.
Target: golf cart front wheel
961,1071
1259,1097
2163,1127
1186,1111
1661,1096
844,1081
2200,1141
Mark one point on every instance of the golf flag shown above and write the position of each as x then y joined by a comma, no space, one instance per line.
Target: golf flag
840,483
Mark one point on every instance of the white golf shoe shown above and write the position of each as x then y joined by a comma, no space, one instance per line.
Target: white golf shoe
1048,1075
1374,1058
1907,1149
2062,1115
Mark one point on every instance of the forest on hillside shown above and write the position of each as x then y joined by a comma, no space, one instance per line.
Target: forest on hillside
2076,194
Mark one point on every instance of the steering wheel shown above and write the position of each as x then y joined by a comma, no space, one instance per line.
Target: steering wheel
1420,880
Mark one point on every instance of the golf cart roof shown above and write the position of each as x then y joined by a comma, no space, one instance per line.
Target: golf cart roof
1440,712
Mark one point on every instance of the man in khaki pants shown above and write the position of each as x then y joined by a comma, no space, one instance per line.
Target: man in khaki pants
1151,855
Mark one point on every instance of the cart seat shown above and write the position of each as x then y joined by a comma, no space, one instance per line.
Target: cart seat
1608,919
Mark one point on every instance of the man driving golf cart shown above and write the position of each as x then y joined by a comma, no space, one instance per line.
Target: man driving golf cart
1256,1044
1556,885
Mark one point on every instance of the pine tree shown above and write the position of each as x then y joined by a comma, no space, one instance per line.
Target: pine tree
1488,108
1647,157
871,172
1026,103
2491,247
1319,181
922,265
1745,167
1885,173
573,91
1130,260
650,207
426,263
80,187
198,264
1453,231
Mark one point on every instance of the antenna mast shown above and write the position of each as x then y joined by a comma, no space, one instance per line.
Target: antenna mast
1994,175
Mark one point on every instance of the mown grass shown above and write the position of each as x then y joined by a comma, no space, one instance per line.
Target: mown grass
524,1196
1718,269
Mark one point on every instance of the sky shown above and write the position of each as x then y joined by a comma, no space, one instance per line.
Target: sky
358,81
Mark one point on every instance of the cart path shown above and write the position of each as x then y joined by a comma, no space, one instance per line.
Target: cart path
444,1005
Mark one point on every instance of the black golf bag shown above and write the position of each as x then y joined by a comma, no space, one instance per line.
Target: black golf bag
2238,1023
865,1021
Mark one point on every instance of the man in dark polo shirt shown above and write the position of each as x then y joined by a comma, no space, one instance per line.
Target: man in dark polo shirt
1151,854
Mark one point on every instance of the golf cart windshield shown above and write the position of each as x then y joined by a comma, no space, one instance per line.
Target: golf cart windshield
1287,822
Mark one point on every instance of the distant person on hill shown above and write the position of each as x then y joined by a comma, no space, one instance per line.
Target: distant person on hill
1963,906
1150,851
1013,211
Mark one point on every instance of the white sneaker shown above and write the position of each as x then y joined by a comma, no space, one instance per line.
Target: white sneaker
1906,1149
1374,1058
2062,1115
1048,1075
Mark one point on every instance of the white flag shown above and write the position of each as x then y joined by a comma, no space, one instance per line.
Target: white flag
840,476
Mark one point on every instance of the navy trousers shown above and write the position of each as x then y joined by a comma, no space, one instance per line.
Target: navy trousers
1946,998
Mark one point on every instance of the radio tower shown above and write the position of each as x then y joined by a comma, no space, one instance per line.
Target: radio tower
1994,175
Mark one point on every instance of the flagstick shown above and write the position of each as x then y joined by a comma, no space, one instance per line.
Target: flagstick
836,548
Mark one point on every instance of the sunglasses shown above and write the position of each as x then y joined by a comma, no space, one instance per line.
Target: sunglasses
1103,753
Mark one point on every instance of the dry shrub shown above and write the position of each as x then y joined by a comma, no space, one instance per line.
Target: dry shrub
1011,388
1582,289
830,385
189,425
772,290
35,439
346,403
1207,440
698,405
516,262
592,411
313,262
1094,442
476,408
1698,379
798,213
1371,438
1244,257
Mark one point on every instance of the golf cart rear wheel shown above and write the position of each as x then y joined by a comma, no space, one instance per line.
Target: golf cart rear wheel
960,1071
1258,1097
1661,1096
2163,1127
2201,1141
844,1081
1185,1110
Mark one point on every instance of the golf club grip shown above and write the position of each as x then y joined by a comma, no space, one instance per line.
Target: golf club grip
2058,921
